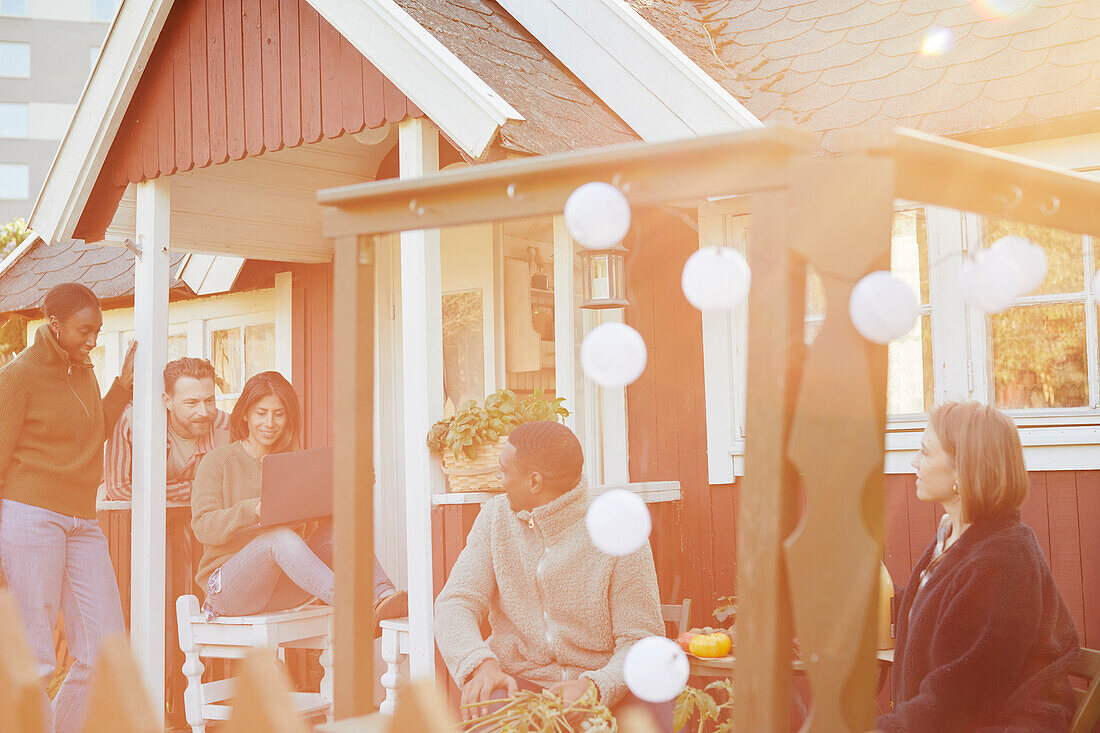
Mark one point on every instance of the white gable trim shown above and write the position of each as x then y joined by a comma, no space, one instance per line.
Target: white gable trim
454,98
99,112
648,82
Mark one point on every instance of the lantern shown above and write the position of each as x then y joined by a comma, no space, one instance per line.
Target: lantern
603,273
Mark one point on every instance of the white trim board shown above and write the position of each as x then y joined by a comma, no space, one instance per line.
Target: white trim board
652,492
645,79
459,102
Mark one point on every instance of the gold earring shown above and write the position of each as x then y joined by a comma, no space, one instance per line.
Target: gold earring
955,487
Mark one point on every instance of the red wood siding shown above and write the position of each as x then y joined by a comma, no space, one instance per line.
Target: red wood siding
233,78
312,345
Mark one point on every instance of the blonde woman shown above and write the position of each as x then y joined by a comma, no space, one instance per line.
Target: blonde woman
984,640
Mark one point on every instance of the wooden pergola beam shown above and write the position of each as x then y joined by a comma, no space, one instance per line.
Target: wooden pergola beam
729,164
969,178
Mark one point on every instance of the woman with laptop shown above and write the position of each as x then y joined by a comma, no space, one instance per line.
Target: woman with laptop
247,568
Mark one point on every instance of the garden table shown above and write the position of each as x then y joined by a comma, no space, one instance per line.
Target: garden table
724,666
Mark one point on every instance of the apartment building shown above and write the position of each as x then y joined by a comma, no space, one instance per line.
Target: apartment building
47,49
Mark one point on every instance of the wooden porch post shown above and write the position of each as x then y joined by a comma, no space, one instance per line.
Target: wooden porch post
422,358
353,377
150,436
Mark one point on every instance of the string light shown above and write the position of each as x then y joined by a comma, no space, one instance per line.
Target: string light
882,307
613,355
618,522
990,281
655,669
716,279
1029,257
597,215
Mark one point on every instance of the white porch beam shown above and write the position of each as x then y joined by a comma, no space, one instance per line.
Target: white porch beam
150,436
422,347
436,81
645,79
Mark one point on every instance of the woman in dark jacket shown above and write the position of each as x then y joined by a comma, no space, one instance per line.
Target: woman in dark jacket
52,552
984,640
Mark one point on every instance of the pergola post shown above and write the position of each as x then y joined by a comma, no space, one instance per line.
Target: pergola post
353,377
147,590
422,357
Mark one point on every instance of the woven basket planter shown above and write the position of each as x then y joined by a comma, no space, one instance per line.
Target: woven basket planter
480,473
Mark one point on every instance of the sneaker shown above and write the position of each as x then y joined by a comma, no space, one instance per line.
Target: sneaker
395,605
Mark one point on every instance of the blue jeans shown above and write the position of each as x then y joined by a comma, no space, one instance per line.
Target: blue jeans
279,570
53,561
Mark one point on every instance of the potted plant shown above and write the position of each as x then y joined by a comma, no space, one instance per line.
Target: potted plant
469,443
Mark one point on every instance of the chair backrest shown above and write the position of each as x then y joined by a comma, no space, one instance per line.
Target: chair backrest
1087,667
678,615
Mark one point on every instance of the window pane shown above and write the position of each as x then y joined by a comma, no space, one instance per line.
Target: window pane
1065,253
15,59
13,119
909,251
259,349
225,354
104,10
177,346
1039,356
13,7
463,347
909,371
14,181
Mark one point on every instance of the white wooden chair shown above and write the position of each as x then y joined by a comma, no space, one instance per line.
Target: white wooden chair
231,637
395,649
678,615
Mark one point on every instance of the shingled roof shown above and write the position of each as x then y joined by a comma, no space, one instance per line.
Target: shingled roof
108,271
841,64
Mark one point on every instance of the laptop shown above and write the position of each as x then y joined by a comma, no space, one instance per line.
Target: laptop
296,486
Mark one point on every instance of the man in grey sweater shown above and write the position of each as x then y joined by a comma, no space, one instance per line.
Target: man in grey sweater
562,614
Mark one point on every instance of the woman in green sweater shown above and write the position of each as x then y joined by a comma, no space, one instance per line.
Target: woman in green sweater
52,551
247,568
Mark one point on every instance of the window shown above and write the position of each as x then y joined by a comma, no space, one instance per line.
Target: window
237,353
14,119
14,182
1039,359
15,60
13,7
1041,350
93,56
104,10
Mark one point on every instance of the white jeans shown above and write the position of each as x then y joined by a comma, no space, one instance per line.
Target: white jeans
53,561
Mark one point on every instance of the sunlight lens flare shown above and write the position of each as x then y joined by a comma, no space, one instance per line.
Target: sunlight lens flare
613,355
597,215
716,279
656,669
882,307
618,522
937,41
1000,8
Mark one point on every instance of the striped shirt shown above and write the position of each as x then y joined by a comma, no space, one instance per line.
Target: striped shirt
118,458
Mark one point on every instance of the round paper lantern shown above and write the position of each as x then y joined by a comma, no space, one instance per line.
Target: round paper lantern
618,522
597,215
716,279
882,307
990,281
655,669
613,354
1029,257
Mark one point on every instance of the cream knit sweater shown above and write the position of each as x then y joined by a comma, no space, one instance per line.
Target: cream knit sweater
558,608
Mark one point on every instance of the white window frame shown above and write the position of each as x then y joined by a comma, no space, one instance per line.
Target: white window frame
24,131
1053,438
239,320
7,73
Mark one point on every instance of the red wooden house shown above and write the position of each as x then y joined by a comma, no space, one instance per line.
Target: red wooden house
209,125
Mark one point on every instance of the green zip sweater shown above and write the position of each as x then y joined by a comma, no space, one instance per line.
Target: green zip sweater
52,428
